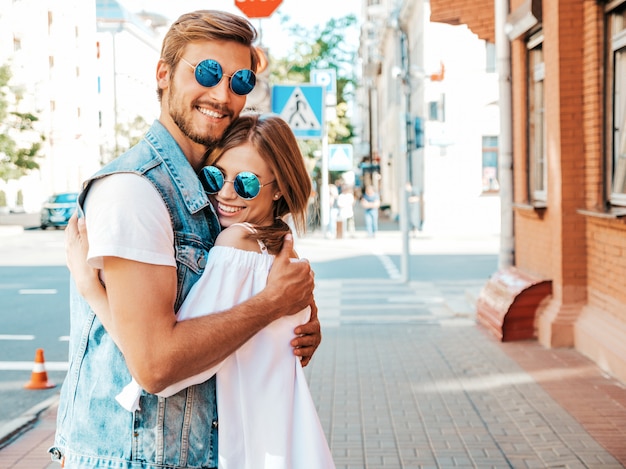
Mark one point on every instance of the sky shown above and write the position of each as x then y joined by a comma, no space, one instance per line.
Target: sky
306,13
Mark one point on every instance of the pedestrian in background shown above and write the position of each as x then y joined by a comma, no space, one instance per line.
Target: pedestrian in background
345,203
333,213
370,201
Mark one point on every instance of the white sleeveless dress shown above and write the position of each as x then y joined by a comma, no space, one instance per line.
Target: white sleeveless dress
267,418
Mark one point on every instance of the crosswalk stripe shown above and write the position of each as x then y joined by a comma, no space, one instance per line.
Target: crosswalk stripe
38,291
16,337
23,366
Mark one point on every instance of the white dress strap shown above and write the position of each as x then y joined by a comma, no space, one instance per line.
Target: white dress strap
252,229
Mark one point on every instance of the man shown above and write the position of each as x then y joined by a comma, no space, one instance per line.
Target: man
150,229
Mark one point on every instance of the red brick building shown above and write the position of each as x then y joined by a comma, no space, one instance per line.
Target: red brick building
568,90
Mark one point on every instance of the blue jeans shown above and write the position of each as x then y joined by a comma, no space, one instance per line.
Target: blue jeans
371,221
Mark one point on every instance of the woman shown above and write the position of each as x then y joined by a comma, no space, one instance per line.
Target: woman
370,201
254,178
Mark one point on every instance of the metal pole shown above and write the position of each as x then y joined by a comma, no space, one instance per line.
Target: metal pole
324,195
403,176
505,166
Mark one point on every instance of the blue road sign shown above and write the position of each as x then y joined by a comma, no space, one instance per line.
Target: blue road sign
302,107
341,157
327,77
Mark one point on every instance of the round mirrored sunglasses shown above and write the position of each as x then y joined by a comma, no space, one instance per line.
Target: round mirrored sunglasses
209,73
246,184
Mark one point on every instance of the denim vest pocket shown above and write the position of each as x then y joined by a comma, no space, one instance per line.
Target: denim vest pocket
191,259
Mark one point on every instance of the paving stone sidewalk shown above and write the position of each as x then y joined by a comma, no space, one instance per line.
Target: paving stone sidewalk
426,387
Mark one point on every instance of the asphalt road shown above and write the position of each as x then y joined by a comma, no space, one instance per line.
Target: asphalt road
34,291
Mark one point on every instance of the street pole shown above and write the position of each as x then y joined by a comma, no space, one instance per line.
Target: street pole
324,192
505,152
404,178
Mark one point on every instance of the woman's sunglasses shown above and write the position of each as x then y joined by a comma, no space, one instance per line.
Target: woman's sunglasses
246,184
209,73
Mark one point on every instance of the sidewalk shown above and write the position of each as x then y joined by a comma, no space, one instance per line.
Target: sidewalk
405,378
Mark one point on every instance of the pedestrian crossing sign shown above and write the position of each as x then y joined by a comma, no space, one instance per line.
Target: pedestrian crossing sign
302,107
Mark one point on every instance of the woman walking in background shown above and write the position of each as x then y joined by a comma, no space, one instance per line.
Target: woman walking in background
370,201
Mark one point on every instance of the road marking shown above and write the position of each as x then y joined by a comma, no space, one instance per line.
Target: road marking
390,267
38,291
64,338
16,337
23,366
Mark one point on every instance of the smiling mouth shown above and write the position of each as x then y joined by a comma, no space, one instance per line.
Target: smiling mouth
229,208
210,112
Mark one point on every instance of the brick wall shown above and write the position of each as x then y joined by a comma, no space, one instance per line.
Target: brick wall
478,15
582,253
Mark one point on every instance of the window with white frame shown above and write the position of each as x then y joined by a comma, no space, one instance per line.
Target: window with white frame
537,168
616,105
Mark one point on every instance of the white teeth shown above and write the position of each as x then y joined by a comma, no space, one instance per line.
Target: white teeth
208,112
228,209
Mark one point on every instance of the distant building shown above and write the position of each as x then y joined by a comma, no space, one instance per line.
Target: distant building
430,118
87,71
51,53
128,49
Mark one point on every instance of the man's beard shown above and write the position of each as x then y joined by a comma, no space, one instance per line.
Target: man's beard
185,123
185,127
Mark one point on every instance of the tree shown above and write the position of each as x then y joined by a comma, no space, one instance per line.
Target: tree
16,159
127,134
322,47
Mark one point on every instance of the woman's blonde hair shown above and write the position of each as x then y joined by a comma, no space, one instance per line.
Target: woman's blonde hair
203,25
275,142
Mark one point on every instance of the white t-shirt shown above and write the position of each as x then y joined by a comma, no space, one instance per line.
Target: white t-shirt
126,217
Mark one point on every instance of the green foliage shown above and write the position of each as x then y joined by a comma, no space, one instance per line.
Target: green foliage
16,159
321,47
3,199
127,134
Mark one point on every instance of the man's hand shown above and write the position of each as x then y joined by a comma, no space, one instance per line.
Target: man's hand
76,249
308,338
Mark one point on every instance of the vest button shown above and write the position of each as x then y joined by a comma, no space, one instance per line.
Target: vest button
202,261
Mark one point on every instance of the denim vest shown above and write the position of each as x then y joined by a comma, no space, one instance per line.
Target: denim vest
93,430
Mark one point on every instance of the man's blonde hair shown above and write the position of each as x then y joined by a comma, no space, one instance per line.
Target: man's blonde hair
203,25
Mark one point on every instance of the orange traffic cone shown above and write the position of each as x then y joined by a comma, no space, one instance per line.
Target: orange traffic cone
39,377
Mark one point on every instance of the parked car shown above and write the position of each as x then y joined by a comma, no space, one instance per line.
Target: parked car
58,209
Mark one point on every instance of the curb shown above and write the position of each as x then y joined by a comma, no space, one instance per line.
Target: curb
18,426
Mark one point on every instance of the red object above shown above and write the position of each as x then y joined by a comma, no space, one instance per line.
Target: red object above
258,8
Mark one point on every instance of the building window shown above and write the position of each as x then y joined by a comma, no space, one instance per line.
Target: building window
437,109
538,171
616,105
490,165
